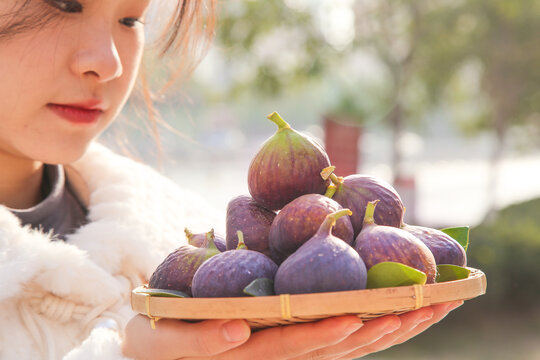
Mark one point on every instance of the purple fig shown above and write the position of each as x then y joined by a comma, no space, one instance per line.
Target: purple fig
324,263
300,219
378,243
355,191
287,166
445,249
177,270
228,273
245,214
200,239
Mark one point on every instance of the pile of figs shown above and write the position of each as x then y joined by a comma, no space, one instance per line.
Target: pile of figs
303,229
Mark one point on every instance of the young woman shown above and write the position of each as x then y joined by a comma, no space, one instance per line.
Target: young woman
81,226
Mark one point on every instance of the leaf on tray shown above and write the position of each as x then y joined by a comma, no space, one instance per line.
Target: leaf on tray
389,274
460,234
260,287
448,272
163,293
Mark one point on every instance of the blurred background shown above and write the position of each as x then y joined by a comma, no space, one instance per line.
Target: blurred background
439,98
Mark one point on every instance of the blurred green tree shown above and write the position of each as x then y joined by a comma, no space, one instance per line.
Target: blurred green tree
274,46
507,250
483,58
478,60
269,46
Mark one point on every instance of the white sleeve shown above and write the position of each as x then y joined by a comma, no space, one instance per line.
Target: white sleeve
103,344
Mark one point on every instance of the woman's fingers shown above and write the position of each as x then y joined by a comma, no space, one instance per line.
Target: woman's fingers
172,339
344,337
290,341
371,332
409,321
439,312
414,323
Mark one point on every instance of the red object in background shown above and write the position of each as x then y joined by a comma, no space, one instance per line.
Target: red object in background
341,140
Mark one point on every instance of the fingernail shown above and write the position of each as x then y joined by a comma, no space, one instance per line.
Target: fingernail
453,306
424,318
353,327
392,326
235,330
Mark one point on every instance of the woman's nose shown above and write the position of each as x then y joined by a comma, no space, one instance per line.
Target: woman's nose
98,57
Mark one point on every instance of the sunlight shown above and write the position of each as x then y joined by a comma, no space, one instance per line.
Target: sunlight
337,23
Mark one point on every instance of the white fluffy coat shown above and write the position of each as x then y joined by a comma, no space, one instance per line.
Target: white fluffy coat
54,293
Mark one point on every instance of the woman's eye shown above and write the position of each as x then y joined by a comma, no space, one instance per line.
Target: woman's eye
66,5
130,22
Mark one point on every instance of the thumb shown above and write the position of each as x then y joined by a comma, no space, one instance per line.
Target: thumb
172,339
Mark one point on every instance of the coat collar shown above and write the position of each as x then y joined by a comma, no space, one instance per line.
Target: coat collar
135,219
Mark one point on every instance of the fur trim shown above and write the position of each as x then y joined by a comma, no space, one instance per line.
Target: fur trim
136,218
103,344
29,256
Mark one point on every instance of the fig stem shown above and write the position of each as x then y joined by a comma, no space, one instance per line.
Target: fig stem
210,244
370,212
330,221
189,235
327,171
241,244
278,120
336,180
330,191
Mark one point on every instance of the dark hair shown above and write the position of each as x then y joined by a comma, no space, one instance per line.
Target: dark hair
182,43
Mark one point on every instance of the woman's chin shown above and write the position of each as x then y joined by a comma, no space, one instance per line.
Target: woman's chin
63,155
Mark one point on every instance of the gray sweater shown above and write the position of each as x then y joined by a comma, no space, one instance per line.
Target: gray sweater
60,211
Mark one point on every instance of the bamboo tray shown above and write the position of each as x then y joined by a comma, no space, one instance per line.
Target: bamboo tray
267,311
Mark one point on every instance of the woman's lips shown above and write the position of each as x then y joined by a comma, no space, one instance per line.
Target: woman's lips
76,114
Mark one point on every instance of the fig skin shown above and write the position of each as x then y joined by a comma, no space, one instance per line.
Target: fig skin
355,191
287,166
445,249
324,263
231,271
245,214
300,219
199,239
379,243
177,270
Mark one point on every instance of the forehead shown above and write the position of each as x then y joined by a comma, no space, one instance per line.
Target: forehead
9,7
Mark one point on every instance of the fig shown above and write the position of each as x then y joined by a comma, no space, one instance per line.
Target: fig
287,166
355,191
199,239
300,219
444,248
379,243
228,273
324,263
177,270
245,214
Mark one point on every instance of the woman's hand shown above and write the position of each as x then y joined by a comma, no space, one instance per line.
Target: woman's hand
174,339
412,323
343,337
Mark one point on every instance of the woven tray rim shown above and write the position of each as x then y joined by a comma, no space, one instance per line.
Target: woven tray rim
266,311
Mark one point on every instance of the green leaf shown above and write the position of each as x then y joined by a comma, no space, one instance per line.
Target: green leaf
460,234
260,287
163,293
389,274
448,272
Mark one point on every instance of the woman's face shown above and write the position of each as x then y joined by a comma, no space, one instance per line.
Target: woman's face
61,84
